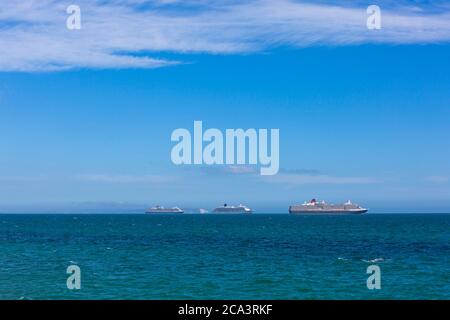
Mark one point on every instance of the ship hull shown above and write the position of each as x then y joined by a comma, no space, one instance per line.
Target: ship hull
160,213
327,212
230,212
164,212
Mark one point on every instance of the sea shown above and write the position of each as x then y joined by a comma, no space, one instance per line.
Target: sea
206,256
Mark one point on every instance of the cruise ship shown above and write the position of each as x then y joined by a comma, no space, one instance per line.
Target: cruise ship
315,207
159,209
233,209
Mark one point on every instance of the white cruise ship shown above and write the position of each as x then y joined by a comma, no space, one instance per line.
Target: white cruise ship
159,209
315,207
233,209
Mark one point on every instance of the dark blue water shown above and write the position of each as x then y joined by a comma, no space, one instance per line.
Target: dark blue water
224,257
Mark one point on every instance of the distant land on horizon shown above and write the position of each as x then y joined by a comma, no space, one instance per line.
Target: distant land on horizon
137,208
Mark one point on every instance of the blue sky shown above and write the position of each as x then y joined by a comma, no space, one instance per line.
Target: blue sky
362,119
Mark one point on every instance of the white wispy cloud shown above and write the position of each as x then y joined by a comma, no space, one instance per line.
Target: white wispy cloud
438,179
131,33
24,179
303,179
109,178
227,169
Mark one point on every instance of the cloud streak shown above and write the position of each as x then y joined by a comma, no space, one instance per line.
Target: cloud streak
305,179
108,178
438,179
226,170
132,33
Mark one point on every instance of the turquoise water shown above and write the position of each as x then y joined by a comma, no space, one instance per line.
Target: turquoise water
224,257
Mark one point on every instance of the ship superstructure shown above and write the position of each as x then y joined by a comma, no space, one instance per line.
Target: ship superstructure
316,207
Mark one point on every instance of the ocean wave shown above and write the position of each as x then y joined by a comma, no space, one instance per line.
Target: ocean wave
374,260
